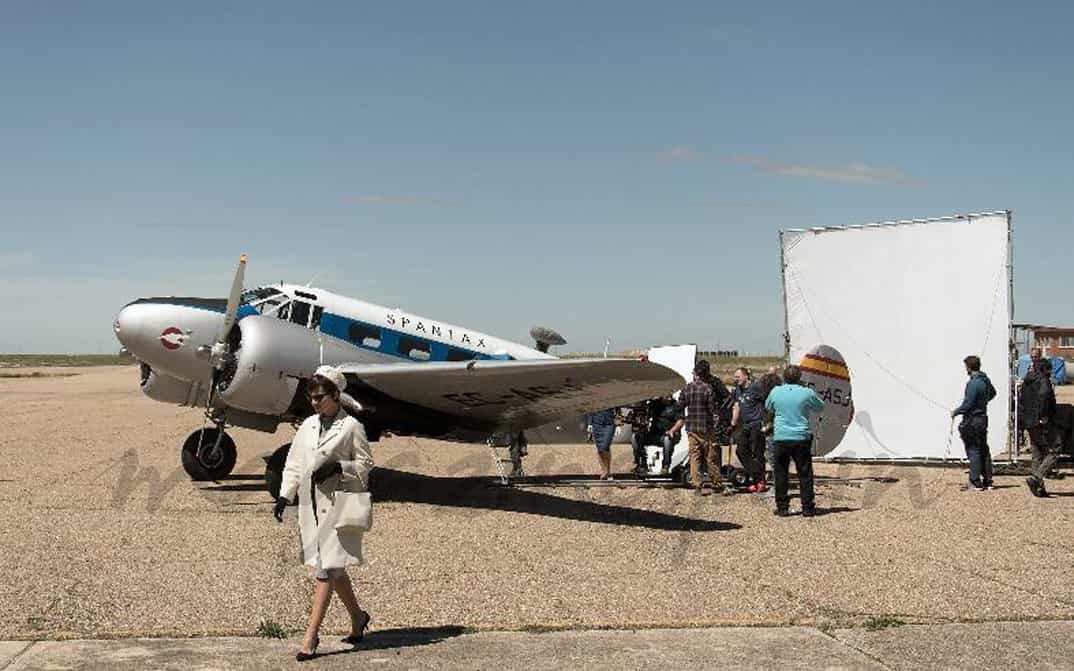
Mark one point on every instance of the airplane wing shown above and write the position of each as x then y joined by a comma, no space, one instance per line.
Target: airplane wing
513,395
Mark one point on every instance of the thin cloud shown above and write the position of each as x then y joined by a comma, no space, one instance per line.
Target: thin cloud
389,199
679,154
739,204
15,259
856,173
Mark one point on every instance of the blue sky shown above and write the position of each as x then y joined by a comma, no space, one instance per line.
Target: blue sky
499,166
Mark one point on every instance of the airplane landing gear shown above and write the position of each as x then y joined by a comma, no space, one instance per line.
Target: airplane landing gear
209,454
274,470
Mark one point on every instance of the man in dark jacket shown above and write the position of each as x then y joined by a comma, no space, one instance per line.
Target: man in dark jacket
1036,410
974,426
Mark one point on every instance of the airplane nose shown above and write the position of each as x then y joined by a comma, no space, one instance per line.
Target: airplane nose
168,333
125,324
136,325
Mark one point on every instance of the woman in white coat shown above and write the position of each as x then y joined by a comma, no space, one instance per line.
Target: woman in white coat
329,453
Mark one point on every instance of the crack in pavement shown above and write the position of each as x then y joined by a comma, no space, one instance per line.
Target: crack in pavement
847,644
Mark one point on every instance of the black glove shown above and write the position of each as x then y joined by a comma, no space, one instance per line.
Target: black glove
326,471
277,510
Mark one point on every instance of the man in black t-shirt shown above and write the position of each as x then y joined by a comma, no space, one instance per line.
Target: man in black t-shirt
747,417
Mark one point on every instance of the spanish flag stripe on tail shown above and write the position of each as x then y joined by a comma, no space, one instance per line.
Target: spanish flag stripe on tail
825,367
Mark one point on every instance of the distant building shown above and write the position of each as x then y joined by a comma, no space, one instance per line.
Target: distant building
1054,340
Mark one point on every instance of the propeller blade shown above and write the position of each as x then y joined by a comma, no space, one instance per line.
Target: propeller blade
233,300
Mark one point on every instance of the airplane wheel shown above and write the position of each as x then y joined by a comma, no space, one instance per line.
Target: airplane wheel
684,476
200,463
739,478
274,470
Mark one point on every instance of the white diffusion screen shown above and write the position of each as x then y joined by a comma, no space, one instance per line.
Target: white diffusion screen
905,303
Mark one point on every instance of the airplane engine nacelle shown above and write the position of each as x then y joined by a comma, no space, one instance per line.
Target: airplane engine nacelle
272,355
168,389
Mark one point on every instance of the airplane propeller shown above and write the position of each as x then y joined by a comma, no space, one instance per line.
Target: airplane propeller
218,358
219,349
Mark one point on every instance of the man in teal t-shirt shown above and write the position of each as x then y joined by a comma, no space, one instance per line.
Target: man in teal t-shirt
792,404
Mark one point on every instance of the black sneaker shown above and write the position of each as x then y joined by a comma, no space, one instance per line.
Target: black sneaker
809,512
1034,485
1041,491
781,512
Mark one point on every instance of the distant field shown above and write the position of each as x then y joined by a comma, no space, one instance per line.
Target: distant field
723,367
62,360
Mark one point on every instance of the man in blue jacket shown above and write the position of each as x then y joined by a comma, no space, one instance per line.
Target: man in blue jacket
974,425
792,404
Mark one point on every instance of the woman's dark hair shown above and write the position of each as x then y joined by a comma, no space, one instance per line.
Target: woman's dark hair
703,370
792,375
972,362
770,381
324,385
745,371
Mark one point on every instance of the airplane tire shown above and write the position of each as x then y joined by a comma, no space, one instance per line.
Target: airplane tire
684,475
274,470
739,478
195,456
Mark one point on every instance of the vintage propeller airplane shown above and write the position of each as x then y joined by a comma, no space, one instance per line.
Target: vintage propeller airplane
247,359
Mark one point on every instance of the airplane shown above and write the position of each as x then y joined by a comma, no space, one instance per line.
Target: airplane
247,360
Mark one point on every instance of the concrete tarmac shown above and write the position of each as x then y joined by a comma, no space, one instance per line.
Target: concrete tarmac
1036,645
105,537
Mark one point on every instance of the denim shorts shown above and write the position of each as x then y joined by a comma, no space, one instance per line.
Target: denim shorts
602,436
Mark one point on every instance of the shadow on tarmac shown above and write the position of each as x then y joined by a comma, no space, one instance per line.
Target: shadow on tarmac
477,492
388,639
481,492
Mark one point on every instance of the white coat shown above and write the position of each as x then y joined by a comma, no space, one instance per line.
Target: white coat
344,441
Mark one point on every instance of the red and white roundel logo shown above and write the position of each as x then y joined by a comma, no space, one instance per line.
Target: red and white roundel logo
172,338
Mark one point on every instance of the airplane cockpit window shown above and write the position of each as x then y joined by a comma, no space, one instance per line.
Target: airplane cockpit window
265,300
253,295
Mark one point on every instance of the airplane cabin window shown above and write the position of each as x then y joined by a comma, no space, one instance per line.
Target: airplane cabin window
415,349
367,336
300,313
458,355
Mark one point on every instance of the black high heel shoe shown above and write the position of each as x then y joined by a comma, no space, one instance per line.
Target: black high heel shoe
306,656
355,639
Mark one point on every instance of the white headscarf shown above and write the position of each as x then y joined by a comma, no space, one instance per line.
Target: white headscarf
333,375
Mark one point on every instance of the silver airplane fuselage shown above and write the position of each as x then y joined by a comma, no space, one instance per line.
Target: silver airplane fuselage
172,338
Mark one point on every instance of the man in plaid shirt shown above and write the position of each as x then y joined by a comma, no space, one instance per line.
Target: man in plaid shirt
699,401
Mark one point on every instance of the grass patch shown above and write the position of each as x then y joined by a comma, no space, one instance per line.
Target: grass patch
63,360
271,629
10,375
882,622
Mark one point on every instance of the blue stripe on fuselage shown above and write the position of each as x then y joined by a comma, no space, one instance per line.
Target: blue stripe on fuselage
340,327
352,331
